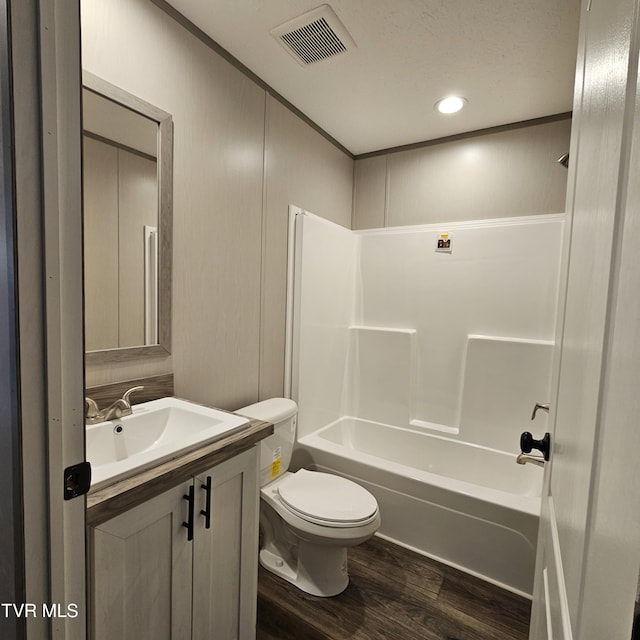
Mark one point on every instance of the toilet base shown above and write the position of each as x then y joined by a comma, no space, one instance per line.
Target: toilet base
317,570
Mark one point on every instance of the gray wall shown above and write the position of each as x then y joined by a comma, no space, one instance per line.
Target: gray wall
240,158
302,169
511,172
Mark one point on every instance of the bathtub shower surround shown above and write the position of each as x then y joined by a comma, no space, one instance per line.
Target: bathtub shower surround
416,366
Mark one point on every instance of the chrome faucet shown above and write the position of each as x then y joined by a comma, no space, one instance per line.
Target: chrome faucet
118,409
523,458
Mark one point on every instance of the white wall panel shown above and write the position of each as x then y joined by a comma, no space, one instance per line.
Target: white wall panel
381,374
500,280
325,281
458,344
503,380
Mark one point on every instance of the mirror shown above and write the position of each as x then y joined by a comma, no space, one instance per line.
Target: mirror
127,187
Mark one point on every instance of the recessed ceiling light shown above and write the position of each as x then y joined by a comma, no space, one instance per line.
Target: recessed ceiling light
452,104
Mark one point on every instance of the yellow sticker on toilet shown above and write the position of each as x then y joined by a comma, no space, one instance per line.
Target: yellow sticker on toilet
276,465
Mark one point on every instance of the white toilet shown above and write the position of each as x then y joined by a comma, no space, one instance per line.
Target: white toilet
307,518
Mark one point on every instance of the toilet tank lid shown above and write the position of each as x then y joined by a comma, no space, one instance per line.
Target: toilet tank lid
273,410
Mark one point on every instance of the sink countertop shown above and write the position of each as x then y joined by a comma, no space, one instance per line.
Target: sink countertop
108,502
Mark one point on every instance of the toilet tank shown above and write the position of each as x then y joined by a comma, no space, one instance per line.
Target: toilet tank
276,450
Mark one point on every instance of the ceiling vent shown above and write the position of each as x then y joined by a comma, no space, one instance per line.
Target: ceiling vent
314,36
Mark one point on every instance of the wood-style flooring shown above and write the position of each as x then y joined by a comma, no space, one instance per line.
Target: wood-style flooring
393,594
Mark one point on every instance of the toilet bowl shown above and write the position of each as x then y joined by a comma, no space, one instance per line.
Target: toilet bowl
308,519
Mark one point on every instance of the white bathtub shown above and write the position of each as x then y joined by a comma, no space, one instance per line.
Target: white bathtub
468,506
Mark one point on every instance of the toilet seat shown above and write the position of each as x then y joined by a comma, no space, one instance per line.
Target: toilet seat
327,499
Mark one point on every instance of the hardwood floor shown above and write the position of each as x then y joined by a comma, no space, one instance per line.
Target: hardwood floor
393,594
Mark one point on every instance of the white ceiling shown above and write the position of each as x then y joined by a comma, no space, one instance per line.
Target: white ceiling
512,59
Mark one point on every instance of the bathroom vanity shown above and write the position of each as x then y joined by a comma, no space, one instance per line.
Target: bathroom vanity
173,549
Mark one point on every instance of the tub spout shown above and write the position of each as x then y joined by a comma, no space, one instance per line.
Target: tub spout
539,405
523,458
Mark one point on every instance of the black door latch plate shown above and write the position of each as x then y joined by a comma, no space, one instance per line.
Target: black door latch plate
77,480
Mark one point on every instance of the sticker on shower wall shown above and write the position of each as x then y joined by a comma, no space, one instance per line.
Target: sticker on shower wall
443,244
276,465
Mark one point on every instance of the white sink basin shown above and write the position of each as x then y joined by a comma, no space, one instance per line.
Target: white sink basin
156,431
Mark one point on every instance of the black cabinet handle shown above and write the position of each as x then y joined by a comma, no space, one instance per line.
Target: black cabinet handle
206,512
189,523
527,443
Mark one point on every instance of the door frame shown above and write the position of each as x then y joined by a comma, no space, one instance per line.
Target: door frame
12,531
46,74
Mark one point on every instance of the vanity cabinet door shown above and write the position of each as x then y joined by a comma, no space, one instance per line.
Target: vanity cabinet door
226,554
142,572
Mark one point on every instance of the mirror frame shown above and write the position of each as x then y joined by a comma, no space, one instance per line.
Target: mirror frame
165,220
